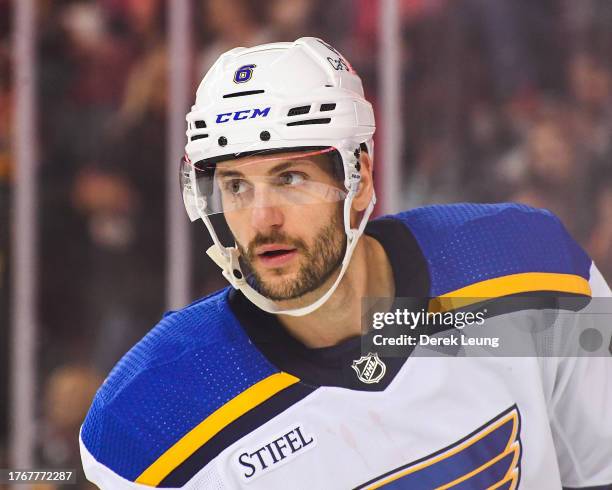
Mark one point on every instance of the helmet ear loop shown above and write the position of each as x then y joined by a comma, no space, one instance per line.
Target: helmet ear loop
229,261
351,182
234,265
200,205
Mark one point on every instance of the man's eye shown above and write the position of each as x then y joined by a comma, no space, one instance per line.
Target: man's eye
236,186
291,178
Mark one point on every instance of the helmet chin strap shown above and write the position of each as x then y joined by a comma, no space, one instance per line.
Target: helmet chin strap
227,258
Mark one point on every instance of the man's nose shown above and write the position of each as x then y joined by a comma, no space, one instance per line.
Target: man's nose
266,212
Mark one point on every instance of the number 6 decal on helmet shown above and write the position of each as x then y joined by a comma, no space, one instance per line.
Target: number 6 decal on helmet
244,73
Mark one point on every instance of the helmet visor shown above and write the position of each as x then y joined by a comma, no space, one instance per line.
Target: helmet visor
270,178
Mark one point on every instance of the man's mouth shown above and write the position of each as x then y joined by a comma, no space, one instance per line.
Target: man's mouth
275,255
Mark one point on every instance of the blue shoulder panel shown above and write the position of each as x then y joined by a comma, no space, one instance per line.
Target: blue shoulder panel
469,243
194,361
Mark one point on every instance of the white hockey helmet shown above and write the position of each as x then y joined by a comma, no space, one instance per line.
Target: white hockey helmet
301,95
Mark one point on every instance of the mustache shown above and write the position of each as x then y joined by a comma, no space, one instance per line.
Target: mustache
275,237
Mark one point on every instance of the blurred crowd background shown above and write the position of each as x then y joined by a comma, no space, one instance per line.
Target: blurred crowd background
505,100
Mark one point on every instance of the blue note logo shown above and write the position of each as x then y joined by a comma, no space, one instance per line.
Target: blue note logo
244,73
489,457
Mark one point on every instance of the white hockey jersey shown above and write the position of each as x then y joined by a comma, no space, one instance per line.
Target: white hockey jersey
219,396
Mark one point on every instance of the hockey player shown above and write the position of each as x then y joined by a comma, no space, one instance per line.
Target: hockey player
265,385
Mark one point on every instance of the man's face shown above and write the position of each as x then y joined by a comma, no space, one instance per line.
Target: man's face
285,212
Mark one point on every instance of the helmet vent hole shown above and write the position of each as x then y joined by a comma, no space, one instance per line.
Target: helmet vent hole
327,107
298,111
198,137
323,120
242,94
200,124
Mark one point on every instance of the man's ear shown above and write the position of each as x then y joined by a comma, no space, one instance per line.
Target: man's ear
366,185
366,189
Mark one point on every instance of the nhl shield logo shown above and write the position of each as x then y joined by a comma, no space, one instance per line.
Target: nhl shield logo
369,368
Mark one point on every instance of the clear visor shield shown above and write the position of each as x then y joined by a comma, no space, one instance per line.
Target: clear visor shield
277,178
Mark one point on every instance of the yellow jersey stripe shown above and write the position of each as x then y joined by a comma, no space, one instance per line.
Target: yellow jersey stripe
514,450
509,481
214,423
507,285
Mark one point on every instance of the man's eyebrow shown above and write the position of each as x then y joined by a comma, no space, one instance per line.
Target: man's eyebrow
281,166
229,173
274,170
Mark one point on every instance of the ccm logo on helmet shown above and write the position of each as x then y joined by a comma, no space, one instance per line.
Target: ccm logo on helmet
240,115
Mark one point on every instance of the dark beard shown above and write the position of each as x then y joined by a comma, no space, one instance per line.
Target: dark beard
320,262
